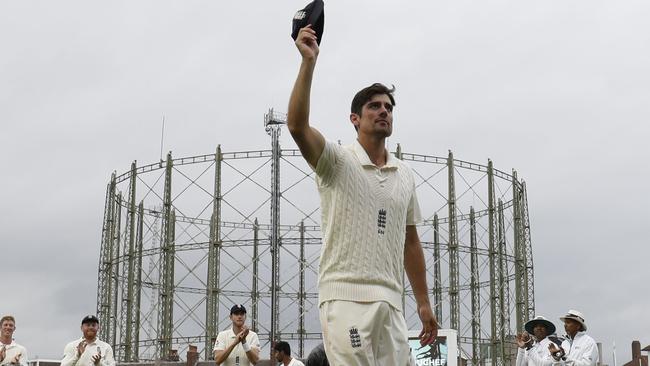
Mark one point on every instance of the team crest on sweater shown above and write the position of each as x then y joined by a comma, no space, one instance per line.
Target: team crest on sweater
355,338
381,221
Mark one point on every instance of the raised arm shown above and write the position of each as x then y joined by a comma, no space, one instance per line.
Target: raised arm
416,271
310,142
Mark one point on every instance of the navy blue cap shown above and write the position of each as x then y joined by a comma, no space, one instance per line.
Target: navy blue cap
237,309
89,319
313,14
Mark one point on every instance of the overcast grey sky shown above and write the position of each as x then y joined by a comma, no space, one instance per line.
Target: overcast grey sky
559,90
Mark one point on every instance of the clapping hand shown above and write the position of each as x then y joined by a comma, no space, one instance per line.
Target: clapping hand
242,335
81,347
16,359
96,358
523,339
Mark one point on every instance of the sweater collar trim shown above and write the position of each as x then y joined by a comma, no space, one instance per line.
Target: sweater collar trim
362,155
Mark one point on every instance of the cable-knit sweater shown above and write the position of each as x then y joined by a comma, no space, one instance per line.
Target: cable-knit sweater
365,211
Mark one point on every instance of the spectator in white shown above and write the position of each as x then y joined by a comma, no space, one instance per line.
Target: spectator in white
282,354
237,346
578,349
11,353
88,350
533,351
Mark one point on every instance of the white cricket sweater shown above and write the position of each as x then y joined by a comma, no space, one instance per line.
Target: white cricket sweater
12,350
365,211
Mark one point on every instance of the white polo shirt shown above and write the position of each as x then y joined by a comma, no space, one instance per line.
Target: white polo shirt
238,356
365,210
11,351
70,357
295,362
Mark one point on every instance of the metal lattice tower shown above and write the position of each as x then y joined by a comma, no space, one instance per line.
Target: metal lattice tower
227,228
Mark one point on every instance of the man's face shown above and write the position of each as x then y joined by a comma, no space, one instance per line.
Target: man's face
8,327
278,355
376,117
539,331
238,319
572,326
89,330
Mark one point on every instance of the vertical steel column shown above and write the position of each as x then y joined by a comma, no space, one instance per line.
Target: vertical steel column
503,283
454,302
520,263
104,293
301,294
398,154
437,281
153,277
475,290
138,287
124,352
166,321
273,125
255,293
115,275
214,256
494,271
528,256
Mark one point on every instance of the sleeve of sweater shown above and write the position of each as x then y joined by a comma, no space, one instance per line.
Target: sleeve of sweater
329,158
23,357
108,359
521,357
69,355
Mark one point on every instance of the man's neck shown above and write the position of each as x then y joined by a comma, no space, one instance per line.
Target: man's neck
6,340
90,340
236,329
375,148
286,361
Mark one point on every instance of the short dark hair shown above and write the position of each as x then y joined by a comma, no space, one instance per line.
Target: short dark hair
364,95
283,347
6,318
317,357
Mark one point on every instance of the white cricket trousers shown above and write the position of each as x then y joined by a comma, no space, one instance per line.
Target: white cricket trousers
364,334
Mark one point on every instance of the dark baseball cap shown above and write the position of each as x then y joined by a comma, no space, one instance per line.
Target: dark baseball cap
89,319
237,309
314,14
